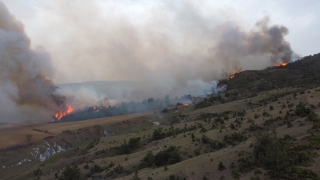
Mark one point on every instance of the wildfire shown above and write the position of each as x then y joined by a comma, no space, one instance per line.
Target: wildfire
232,76
62,113
186,103
282,64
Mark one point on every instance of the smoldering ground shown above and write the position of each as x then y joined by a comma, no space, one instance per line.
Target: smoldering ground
172,45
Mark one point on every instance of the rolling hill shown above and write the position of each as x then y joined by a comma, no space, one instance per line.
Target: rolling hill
264,126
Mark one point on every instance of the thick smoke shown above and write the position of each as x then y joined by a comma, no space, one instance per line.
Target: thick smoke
174,47
167,45
163,42
86,97
24,71
261,41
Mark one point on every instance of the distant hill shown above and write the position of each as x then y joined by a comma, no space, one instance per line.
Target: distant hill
301,73
121,90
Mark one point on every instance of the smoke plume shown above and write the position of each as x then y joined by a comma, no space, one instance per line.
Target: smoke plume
174,47
85,97
167,45
163,42
24,72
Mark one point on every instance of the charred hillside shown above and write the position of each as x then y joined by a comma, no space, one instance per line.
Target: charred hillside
301,73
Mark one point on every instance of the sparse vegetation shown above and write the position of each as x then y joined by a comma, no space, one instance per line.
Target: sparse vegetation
71,172
273,134
166,157
127,148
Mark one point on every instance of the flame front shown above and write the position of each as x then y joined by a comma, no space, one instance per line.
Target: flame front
282,64
62,113
232,76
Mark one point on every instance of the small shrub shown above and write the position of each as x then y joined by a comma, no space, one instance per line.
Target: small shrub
165,168
136,177
71,172
221,166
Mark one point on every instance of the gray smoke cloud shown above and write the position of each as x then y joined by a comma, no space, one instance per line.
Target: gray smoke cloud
174,43
24,72
174,47
263,40
107,40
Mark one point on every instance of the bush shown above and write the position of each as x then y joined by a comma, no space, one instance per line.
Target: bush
169,156
245,164
221,166
270,154
203,130
214,144
197,152
165,168
232,126
95,169
236,174
254,178
158,134
148,160
71,172
111,164
37,172
126,148
299,173
271,108
205,139
118,169
302,110
136,177
235,137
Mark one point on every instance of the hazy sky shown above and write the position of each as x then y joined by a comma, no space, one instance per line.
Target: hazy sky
84,37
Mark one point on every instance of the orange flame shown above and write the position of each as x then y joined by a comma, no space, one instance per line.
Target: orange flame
232,76
282,64
62,113
186,104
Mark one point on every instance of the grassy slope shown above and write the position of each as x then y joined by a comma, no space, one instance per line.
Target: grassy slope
192,166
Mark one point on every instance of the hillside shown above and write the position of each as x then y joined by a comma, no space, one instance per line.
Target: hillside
265,126
301,73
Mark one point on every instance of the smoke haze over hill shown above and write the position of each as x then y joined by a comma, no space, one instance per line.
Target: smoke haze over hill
165,41
175,47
